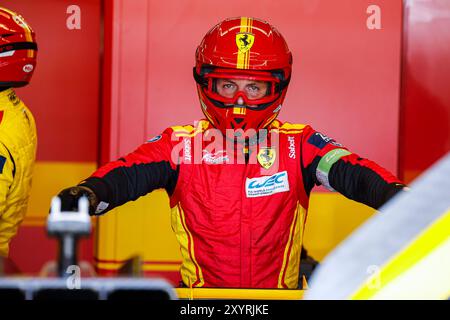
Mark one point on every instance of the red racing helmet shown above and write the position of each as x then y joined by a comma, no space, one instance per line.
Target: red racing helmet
18,50
242,48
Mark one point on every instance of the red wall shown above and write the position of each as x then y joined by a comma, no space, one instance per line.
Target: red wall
425,134
64,92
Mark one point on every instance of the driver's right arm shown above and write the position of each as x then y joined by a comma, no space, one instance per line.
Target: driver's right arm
147,168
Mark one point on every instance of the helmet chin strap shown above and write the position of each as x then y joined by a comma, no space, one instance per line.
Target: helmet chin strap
240,103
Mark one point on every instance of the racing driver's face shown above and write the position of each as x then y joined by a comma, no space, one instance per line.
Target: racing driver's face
254,90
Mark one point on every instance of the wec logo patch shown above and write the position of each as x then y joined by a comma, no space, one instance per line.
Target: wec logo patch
266,186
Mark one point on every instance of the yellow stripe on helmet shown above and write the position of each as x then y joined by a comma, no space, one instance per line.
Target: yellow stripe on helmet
26,29
247,54
243,57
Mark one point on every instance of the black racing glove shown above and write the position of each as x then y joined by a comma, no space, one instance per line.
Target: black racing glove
70,196
391,190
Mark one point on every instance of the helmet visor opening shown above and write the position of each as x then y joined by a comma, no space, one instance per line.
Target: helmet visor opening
241,88
233,88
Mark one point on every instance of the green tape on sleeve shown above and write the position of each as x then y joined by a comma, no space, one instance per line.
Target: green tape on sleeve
324,166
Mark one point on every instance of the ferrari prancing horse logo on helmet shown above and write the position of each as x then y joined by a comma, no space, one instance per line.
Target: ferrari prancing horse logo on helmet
244,41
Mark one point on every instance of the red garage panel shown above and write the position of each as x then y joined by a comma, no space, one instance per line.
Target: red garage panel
64,92
32,250
426,95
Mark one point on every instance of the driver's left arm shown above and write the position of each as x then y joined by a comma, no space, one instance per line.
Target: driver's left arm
335,167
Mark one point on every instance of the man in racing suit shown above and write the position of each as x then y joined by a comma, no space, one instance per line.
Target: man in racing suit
239,182
17,128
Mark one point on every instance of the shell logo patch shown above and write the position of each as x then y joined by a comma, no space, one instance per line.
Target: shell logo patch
266,157
245,41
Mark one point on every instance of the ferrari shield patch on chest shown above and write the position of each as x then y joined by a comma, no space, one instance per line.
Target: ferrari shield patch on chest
267,185
266,157
244,41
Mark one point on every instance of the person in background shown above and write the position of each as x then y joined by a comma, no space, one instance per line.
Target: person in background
239,181
18,139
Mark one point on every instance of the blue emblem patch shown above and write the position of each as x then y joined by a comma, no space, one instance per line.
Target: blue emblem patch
2,163
320,140
154,139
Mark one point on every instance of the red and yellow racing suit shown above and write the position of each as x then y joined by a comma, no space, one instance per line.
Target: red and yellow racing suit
17,154
240,223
